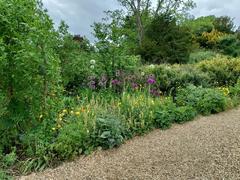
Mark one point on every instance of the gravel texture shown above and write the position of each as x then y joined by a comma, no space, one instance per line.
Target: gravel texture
207,148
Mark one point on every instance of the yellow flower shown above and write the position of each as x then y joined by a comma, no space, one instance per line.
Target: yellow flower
61,115
64,111
59,126
71,112
54,129
77,113
41,116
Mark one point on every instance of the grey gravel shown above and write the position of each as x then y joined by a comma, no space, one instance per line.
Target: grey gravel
207,148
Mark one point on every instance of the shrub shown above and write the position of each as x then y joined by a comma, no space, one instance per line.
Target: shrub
36,144
29,66
205,100
229,45
74,125
210,39
235,90
73,139
201,55
222,70
4,176
7,161
164,115
184,114
235,93
169,78
170,113
109,132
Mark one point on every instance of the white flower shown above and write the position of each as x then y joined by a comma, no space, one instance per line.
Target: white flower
152,66
142,74
92,62
92,66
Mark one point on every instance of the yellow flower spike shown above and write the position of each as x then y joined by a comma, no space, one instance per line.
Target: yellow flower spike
60,119
64,111
59,126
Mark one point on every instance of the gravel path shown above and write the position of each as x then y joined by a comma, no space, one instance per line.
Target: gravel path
207,148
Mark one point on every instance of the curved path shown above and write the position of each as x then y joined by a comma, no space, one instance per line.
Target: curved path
207,148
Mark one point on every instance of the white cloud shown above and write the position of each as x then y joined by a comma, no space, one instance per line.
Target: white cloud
218,8
81,14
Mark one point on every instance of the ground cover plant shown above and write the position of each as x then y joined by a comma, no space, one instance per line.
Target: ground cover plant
61,96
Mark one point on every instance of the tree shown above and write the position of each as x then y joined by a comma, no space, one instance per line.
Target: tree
237,32
141,9
200,25
224,24
112,43
74,52
229,45
166,42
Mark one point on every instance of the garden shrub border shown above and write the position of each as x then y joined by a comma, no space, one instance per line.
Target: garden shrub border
108,135
156,115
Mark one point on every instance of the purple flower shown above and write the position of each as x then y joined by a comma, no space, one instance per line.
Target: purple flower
134,85
151,80
116,82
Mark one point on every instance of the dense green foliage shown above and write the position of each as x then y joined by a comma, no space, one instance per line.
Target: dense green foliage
109,132
29,68
61,96
222,71
200,55
229,45
224,24
206,101
166,42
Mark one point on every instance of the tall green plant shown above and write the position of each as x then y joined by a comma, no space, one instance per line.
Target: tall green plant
29,67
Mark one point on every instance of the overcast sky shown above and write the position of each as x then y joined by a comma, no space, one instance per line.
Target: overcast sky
80,14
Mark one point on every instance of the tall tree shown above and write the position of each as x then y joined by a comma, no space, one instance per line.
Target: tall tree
224,24
166,42
142,8
137,8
